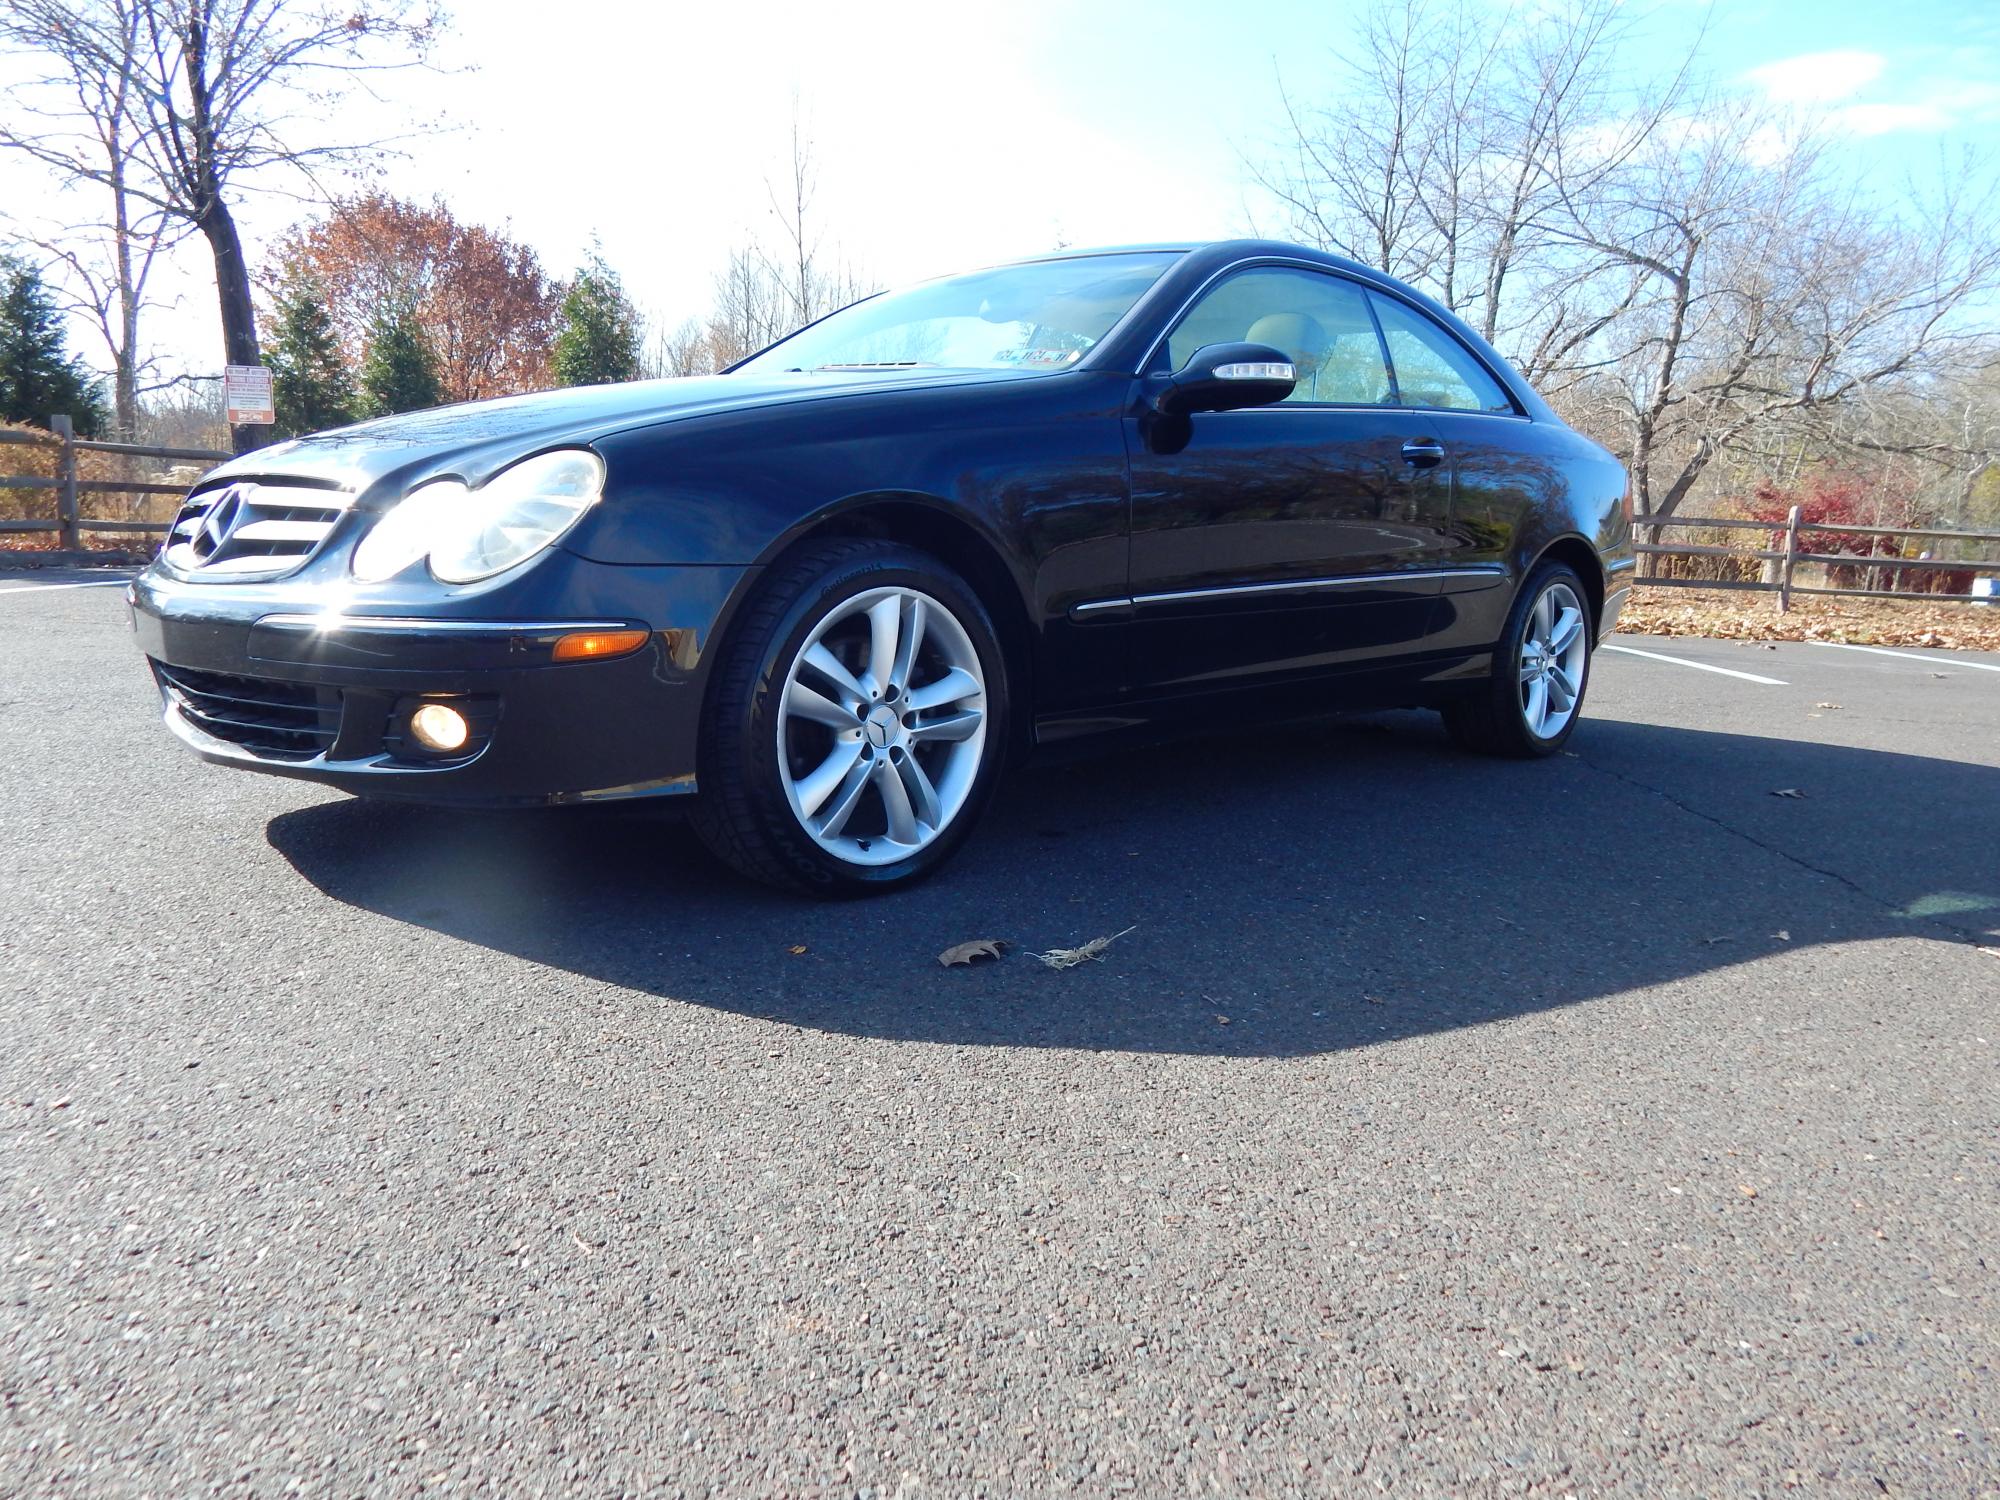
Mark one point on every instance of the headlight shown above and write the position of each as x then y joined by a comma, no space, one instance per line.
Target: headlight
472,534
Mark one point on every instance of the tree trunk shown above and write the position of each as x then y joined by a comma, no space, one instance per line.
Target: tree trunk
239,313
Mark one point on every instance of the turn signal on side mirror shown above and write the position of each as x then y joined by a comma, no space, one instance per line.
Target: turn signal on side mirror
1257,370
592,645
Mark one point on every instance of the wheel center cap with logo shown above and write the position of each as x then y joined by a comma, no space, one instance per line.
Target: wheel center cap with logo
880,726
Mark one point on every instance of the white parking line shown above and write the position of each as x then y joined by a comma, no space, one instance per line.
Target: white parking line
1929,661
50,588
1699,666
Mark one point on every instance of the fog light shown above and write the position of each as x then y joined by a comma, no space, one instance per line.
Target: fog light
595,645
437,727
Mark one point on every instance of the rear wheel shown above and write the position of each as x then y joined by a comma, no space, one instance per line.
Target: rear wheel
1541,668
857,725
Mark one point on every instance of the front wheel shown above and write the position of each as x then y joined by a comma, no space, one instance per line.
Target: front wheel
1541,667
858,722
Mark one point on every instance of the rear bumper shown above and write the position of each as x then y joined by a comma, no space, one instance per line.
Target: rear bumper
273,680
1618,575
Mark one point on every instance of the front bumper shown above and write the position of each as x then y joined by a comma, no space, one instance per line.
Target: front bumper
298,681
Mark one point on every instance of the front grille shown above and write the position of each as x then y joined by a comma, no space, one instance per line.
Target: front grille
284,720
246,530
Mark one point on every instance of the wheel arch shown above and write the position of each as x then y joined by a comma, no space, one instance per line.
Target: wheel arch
1582,557
933,526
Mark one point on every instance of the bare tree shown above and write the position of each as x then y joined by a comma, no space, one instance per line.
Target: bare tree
682,350
222,94
813,281
1775,293
1684,272
80,118
777,284
1456,136
753,309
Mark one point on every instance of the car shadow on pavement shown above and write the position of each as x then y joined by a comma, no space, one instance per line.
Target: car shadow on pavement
1328,887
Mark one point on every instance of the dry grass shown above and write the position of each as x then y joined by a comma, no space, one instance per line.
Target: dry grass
1862,622
40,461
1069,958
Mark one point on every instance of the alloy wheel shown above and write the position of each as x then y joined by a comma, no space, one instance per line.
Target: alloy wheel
1555,652
882,726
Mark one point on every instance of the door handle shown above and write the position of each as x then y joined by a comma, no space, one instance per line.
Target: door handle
1425,453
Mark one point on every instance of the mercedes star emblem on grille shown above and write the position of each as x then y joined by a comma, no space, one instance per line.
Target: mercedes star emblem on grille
219,522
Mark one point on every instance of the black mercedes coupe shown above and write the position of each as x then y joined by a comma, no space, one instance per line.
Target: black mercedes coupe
826,597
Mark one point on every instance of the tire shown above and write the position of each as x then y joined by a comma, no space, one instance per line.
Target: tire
814,774
1515,712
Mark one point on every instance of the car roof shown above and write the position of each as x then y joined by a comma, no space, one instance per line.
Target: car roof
1232,249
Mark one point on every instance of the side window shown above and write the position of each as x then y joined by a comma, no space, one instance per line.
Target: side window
1321,323
1433,368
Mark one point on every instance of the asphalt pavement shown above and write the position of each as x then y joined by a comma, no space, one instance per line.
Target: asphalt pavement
1612,1125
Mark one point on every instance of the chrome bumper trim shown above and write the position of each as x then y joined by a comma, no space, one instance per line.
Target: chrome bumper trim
333,624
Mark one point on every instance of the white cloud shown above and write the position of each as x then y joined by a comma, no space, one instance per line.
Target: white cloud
1881,119
1818,77
1862,94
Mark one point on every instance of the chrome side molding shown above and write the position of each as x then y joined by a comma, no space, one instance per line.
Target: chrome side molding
1094,607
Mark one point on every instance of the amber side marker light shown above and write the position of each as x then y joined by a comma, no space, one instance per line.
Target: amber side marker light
590,645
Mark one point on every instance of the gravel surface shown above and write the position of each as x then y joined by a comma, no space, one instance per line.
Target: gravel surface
1605,1126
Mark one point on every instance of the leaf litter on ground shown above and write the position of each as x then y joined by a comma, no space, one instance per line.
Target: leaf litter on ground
1913,620
1056,958
1069,958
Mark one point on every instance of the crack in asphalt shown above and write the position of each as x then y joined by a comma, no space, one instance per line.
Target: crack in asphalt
1967,934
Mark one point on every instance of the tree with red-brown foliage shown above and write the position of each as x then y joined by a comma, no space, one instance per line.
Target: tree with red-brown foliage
1838,498
486,310
1832,499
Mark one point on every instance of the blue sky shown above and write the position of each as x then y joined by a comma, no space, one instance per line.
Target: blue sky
950,134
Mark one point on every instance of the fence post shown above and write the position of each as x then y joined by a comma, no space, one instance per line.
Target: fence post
1791,560
66,538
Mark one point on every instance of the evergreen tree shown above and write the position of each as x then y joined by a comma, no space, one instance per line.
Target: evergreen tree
311,388
39,378
400,373
598,338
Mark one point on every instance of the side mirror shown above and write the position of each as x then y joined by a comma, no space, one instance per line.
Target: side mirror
1223,377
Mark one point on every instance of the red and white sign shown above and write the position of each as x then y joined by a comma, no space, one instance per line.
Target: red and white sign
246,391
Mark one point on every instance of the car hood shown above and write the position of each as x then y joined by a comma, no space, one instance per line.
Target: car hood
474,440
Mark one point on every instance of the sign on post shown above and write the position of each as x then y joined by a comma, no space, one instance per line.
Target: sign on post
246,392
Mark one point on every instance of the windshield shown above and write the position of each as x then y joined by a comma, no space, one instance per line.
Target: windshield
1042,316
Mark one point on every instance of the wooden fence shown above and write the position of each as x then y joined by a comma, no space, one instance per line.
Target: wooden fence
1779,562
70,522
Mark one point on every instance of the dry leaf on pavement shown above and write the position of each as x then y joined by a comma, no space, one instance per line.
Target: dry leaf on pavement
965,953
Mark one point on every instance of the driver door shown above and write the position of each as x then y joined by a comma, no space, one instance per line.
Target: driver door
1285,540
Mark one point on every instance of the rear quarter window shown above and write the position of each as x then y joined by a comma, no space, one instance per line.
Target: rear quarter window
1433,368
